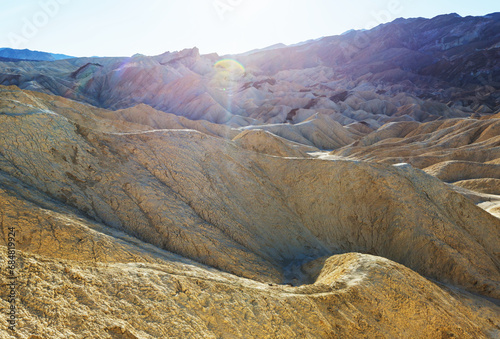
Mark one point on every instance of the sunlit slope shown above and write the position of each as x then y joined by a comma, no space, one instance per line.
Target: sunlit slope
245,212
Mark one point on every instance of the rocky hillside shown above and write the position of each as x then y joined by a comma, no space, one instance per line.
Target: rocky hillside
101,204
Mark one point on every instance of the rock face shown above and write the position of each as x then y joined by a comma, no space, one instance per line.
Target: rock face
159,226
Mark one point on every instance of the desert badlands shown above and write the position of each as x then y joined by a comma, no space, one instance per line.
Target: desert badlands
330,189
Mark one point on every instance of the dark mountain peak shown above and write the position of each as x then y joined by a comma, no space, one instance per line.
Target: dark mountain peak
168,57
26,54
495,16
446,17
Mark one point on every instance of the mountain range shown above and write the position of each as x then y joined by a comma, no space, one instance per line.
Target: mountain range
411,69
26,54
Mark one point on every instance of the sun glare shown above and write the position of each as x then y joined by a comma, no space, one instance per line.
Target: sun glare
229,65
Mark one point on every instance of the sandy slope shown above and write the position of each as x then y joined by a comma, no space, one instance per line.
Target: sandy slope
102,204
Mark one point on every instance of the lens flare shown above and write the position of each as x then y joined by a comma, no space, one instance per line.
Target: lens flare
229,65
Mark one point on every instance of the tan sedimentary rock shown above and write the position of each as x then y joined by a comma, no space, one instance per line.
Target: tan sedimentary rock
267,143
451,171
175,232
487,185
361,296
319,131
429,143
148,116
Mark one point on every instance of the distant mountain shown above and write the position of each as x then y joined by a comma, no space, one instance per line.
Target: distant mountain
14,60
408,70
26,54
269,48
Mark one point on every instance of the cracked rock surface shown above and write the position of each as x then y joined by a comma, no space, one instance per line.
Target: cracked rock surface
127,229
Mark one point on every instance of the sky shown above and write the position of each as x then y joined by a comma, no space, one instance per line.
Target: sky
152,27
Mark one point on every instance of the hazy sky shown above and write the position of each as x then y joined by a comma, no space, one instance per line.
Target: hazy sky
151,27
